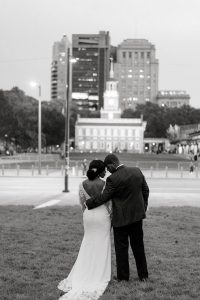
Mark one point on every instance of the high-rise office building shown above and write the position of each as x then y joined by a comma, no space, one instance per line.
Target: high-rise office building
91,70
136,70
59,69
173,98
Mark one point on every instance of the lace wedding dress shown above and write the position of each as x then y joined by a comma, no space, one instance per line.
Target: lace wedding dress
91,272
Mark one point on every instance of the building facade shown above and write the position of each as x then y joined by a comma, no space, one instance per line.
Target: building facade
59,69
110,133
189,139
91,71
173,98
136,70
156,145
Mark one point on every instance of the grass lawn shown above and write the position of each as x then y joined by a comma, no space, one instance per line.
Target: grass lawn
38,249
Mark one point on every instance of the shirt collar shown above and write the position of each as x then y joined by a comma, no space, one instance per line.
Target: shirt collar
119,166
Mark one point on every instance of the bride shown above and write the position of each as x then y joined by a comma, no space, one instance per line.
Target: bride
91,272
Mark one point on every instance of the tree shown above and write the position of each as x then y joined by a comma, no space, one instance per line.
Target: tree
159,118
53,125
155,117
7,120
173,133
23,122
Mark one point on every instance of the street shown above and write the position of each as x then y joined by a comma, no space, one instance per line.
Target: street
48,191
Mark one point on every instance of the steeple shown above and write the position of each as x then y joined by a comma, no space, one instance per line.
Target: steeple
111,97
111,68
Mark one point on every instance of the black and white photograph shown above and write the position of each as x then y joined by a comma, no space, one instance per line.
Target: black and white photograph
99,150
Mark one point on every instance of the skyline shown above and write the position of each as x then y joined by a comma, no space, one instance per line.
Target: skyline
29,29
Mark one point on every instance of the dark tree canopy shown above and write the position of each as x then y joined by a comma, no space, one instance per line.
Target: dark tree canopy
159,118
19,119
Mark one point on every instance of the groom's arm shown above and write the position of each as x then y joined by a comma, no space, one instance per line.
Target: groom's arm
145,192
102,198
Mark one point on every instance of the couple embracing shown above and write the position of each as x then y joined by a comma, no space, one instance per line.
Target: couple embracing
121,202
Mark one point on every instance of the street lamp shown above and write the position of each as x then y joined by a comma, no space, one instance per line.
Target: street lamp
35,84
69,61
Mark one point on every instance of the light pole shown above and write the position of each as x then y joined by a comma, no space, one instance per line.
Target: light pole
6,144
34,84
70,60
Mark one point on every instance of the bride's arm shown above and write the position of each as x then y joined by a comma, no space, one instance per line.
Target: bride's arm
82,198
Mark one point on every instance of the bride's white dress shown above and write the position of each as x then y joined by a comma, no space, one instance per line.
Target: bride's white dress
91,272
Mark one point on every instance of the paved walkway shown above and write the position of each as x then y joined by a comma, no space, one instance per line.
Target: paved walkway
48,191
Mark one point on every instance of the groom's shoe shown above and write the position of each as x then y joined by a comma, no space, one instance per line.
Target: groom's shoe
115,279
143,279
61,293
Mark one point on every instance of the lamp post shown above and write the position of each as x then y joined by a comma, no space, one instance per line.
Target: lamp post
34,84
70,60
6,144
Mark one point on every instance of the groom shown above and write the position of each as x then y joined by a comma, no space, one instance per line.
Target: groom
129,192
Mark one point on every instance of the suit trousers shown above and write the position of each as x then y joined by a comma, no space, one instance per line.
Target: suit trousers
122,235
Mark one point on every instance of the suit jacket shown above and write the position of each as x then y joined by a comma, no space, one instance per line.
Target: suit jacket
129,192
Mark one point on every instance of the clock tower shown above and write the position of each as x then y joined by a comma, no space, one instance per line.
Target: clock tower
111,98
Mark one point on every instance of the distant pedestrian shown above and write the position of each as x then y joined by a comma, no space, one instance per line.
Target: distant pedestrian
84,166
191,167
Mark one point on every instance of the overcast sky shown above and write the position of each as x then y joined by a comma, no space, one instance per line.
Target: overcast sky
28,29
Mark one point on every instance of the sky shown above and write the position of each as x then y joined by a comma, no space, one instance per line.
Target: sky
28,29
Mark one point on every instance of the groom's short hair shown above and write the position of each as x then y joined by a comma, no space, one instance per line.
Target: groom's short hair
111,159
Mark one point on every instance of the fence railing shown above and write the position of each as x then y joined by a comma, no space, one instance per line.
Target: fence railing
151,169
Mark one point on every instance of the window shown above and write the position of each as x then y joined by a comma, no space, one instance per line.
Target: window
148,55
81,144
129,132
87,145
137,146
102,132
142,55
130,54
94,132
115,131
94,145
124,54
102,145
108,132
87,131
122,132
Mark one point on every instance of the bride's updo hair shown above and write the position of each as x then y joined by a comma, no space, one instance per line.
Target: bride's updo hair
96,167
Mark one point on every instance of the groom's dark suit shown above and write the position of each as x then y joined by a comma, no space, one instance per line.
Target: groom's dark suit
128,190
